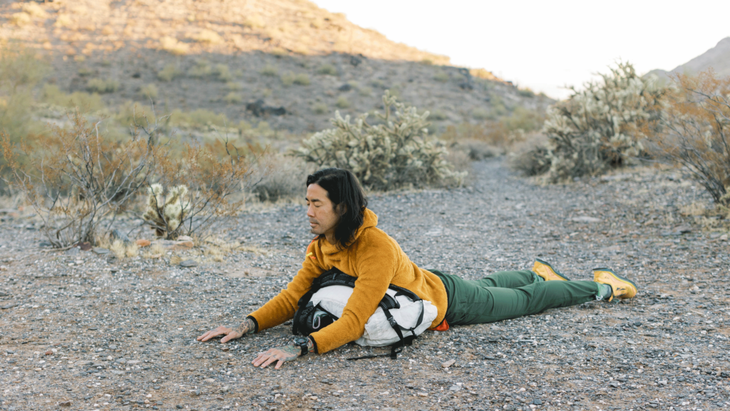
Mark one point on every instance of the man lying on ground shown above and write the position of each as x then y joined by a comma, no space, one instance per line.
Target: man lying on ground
348,239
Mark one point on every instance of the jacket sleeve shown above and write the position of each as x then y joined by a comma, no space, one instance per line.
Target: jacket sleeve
375,271
282,307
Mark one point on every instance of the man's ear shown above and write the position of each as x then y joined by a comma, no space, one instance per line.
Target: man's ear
341,209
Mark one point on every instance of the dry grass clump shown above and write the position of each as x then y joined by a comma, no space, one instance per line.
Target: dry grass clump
327,69
279,177
233,98
207,36
269,71
169,73
118,249
342,102
149,91
102,86
172,45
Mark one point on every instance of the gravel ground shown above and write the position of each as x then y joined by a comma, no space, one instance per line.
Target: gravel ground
85,331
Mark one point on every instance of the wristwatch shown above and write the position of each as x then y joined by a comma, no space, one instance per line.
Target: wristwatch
301,342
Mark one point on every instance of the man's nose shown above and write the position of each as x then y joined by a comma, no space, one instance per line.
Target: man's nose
310,213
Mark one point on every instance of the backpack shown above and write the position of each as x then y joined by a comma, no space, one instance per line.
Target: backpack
400,317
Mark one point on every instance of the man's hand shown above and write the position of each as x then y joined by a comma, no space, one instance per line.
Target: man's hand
247,326
280,354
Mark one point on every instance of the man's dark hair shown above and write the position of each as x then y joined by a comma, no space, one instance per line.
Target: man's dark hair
344,190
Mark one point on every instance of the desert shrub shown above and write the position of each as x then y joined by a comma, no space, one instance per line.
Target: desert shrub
207,36
76,180
20,72
269,71
233,98
530,157
526,92
170,45
301,79
287,79
233,86
365,91
396,152
327,69
193,192
441,76
696,132
279,177
600,127
480,113
342,102
102,86
149,91
320,108
200,69
223,73
83,102
200,119
168,73
438,115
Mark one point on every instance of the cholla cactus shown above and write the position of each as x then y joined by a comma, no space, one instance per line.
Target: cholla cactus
166,213
601,126
397,152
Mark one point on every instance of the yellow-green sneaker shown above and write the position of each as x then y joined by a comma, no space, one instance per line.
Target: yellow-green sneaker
547,272
622,288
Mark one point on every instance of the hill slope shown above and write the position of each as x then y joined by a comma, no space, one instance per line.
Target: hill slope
224,55
717,58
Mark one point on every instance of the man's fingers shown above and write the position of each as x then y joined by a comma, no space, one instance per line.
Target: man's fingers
278,364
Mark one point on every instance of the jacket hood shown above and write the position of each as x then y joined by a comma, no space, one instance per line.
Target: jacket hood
370,219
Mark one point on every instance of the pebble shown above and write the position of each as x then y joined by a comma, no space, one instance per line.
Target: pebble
448,363
189,263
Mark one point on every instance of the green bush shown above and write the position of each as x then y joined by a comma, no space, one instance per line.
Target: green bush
102,86
269,71
301,79
201,69
600,127
20,72
320,108
396,152
441,76
169,73
287,79
84,102
199,119
222,73
480,114
342,102
149,92
233,98
327,69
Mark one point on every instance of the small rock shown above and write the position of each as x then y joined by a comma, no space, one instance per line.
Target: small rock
537,401
189,263
49,352
8,306
183,245
73,251
423,394
64,404
455,387
85,246
142,242
586,219
185,238
448,363
100,250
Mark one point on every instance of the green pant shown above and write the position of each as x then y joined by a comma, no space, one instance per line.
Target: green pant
509,294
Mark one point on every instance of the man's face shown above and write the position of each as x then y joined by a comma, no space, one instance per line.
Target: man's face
323,217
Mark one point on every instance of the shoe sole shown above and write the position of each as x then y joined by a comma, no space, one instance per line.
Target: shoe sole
617,277
556,272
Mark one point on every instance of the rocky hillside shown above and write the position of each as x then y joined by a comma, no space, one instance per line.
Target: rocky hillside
284,61
717,58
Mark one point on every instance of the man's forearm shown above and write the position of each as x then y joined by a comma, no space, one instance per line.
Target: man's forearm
247,326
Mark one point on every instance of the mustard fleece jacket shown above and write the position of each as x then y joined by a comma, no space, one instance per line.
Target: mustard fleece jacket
377,261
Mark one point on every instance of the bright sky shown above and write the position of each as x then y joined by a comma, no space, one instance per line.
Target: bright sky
547,44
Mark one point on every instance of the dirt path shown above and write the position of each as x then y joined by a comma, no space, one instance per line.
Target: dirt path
83,331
